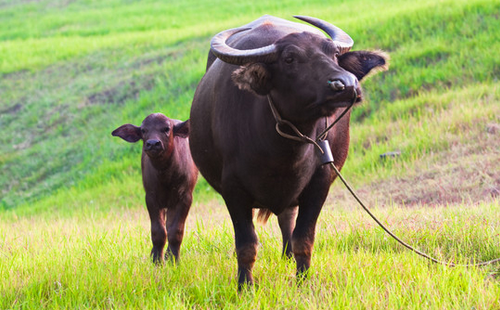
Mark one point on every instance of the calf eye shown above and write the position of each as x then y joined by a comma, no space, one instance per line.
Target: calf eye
166,129
143,131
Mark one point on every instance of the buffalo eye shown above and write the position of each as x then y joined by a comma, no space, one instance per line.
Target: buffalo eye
289,60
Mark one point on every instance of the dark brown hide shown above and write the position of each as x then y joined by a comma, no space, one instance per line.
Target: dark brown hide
237,149
168,175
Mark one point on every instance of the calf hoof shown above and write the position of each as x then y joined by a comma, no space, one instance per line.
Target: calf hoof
157,257
171,258
287,253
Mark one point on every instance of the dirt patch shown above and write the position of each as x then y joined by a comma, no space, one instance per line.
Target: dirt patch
12,109
464,173
6,4
121,92
493,129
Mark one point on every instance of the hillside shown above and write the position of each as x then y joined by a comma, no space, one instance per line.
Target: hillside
71,72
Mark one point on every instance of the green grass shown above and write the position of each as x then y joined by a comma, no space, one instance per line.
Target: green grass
72,219
75,71
430,122
103,262
82,65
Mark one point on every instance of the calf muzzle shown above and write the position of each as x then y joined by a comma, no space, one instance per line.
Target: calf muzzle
153,145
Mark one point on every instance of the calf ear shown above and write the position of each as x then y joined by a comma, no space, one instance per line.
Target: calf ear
182,129
360,63
253,77
128,132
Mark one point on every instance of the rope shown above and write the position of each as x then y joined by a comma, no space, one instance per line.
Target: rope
279,121
395,237
322,135
303,138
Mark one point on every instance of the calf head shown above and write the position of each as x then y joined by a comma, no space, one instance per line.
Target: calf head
309,75
157,133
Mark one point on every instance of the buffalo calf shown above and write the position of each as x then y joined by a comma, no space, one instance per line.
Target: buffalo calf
168,175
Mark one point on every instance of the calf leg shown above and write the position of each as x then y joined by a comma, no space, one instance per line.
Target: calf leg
176,218
158,232
286,221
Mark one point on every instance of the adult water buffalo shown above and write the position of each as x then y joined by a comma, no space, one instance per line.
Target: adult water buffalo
267,72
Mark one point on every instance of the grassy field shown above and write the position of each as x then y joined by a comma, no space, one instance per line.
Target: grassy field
72,216
101,262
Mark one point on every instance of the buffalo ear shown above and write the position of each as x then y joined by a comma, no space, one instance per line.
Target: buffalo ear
128,132
253,77
182,129
360,63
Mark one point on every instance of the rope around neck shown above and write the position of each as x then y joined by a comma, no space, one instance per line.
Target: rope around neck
279,121
303,138
300,136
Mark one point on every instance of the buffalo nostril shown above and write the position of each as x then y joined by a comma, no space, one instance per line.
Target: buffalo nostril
336,85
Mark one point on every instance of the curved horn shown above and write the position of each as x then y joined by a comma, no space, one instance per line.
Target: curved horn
339,37
239,57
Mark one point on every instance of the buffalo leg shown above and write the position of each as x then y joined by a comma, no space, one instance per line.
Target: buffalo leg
310,205
303,239
176,218
246,245
240,210
158,230
286,221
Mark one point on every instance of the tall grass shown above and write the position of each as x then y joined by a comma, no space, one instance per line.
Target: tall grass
102,262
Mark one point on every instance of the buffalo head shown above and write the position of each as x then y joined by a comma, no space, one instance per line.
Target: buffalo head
309,73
